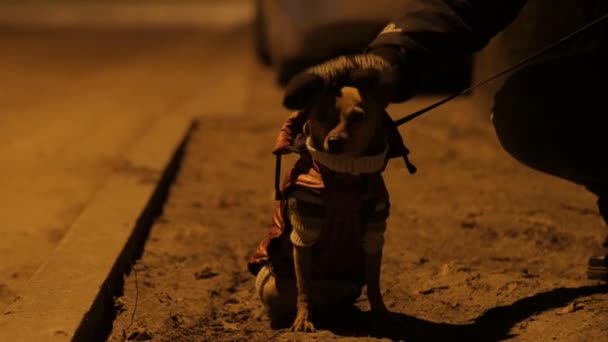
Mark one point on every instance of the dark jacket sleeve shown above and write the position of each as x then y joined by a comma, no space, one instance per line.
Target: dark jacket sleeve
432,35
452,27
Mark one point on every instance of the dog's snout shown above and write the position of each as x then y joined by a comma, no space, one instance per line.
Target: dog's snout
335,144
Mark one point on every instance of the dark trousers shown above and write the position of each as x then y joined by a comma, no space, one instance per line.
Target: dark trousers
553,117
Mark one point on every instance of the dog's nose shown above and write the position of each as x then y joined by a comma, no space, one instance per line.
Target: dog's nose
335,144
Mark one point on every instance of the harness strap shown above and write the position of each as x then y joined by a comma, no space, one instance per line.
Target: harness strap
278,194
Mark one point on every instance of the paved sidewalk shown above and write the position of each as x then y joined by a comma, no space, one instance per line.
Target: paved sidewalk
74,99
121,14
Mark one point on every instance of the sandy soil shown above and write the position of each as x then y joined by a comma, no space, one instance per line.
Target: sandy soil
478,246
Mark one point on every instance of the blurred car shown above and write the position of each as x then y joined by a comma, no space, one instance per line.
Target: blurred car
293,34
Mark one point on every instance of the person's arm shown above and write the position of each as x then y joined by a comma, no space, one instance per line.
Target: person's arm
431,34
427,37
452,27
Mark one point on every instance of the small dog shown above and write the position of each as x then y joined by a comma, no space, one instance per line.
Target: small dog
327,233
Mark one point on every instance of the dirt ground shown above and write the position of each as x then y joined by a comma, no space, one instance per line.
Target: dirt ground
478,247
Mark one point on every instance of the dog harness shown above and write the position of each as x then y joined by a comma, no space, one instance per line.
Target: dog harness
340,216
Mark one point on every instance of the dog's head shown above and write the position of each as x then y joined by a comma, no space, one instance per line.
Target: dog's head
346,120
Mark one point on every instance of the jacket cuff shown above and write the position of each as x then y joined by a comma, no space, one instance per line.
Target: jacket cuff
392,54
407,78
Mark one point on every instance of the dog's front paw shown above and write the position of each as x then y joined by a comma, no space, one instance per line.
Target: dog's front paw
302,322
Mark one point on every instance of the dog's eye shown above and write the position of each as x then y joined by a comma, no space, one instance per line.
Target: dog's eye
327,117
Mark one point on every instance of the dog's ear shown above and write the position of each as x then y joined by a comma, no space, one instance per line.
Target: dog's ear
302,89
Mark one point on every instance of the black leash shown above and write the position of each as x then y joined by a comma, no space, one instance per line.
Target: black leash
278,194
510,69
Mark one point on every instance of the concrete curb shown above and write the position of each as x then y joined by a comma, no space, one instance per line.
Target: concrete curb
70,298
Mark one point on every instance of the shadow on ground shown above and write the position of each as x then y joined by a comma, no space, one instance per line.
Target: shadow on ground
494,325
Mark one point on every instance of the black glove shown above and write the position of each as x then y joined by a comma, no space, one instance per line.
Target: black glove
380,69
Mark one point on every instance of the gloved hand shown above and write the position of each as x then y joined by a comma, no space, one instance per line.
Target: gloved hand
382,68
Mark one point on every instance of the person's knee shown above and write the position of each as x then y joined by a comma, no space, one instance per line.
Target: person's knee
526,125
510,137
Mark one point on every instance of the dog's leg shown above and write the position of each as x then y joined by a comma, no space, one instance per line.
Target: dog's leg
302,263
278,297
374,295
